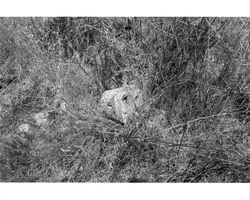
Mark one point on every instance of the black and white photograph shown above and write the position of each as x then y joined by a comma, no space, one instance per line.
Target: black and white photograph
125,99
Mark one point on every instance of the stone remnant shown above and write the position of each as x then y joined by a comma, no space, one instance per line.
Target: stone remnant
6,100
121,103
24,128
41,118
26,85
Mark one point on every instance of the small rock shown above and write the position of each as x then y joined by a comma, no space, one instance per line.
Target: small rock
26,84
6,100
63,106
122,103
24,128
60,106
41,118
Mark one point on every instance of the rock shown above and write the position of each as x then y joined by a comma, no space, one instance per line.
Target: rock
25,84
60,106
6,100
41,118
122,103
63,106
24,128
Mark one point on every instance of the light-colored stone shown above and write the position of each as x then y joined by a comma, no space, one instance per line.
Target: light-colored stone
60,106
122,103
24,128
63,106
41,118
6,100
25,84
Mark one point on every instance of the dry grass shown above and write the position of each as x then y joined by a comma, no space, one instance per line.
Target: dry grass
192,128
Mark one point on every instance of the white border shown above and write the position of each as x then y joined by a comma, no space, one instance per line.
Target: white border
120,191
223,8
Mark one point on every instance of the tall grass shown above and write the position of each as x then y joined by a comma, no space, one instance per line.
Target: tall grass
193,127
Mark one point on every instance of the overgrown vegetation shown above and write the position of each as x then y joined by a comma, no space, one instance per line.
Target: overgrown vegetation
193,127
